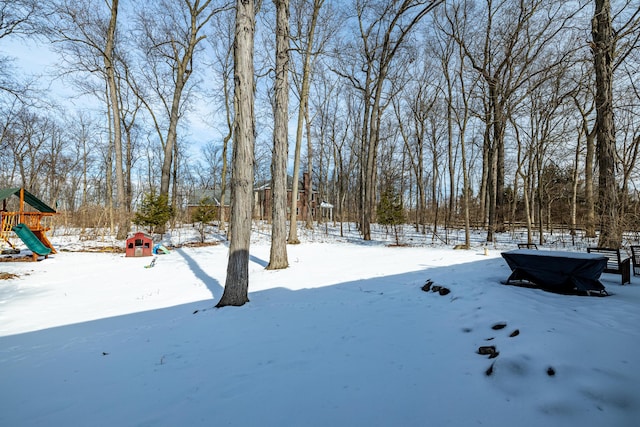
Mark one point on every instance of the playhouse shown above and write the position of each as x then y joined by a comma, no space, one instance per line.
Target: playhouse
28,225
140,244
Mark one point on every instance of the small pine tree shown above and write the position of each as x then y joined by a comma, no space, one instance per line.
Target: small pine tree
154,211
204,213
391,211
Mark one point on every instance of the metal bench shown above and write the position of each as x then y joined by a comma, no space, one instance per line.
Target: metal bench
527,246
615,263
635,259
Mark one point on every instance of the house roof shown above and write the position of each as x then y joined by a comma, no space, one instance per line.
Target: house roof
263,185
29,198
214,196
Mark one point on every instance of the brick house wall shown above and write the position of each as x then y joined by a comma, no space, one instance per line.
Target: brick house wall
263,194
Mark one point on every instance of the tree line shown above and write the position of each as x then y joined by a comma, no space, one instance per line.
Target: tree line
472,113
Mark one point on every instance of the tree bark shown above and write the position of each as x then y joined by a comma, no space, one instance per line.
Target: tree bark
236,290
278,255
603,53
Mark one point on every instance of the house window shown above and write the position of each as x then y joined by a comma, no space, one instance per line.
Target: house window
313,196
297,211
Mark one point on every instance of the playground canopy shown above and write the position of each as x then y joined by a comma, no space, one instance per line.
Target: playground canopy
29,198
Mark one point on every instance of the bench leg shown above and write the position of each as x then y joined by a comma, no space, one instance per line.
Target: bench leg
625,267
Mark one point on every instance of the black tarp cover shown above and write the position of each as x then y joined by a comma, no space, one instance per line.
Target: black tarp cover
565,272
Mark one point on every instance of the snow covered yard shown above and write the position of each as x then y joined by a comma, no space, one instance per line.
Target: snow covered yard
344,337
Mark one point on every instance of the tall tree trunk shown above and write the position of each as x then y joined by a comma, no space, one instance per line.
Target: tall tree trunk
539,194
574,189
121,200
483,194
450,150
603,52
171,141
491,193
590,135
225,148
302,114
127,168
109,171
278,254
399,18
365,230
369,173
175,180
223,179
236,290
293,221
182,53
462,126
496,209
308,187
435,181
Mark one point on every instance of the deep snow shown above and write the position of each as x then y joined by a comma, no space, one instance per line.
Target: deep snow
343,337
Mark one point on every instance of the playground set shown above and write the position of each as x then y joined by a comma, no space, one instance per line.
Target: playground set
27,225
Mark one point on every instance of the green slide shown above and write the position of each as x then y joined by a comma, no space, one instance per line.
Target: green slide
30,239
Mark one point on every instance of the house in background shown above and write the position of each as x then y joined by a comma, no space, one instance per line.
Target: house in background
262,198
214,197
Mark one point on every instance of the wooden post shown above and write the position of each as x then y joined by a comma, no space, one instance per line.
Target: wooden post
21,205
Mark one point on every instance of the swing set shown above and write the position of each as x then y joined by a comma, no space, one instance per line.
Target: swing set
26,224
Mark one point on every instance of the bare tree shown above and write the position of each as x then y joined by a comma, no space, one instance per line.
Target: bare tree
169,45
383,28
222,41
305,42
86,35
604,46
628,131
114,101
342,121
18,18
603,57
278,255
460,88
236,290
583,100
444,49
83,132
507,57
420,99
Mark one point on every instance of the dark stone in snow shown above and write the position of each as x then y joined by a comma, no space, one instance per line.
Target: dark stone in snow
489,371
488,350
